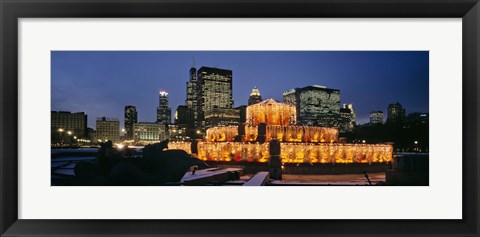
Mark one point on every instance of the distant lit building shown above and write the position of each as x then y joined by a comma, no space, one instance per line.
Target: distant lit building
396,113
107,129
177,132
214,88
315,105
164,113
354,115
130,119
376,117
255,96
149,132
192,99
65,121
347,118
221,117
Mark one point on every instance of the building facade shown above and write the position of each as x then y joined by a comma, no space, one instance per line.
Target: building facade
348,118
353,122
164,113
131,118
221,117
182,115
396,114
255,96
315,105
192,99
178,132
376,117
146,133
76,123
214,91
107,129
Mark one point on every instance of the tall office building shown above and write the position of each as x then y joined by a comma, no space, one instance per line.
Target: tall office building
164,113
130,119
192,97
214,90
255,96
315,105
76,123
396,114
107,129
376,117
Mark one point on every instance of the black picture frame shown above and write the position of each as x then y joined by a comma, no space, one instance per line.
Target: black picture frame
11,11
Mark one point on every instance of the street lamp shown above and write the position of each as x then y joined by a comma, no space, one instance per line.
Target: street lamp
59,140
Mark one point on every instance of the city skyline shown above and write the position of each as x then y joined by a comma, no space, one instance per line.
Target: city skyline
102,83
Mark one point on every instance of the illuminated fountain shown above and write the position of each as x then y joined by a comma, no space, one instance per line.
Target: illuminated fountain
270,120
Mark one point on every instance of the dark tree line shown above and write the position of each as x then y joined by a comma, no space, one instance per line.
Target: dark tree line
409,134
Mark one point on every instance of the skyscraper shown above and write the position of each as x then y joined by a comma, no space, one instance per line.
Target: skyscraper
164,113
192,98
214,88
191,101
315,105
255,96
130,119
396,114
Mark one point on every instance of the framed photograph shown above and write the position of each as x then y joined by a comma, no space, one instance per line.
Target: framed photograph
252,118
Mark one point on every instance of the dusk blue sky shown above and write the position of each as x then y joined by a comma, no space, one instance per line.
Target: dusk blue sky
101,83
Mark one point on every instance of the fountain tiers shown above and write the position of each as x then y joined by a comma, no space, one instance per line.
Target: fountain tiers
291,152
271,112
279,132
299,144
